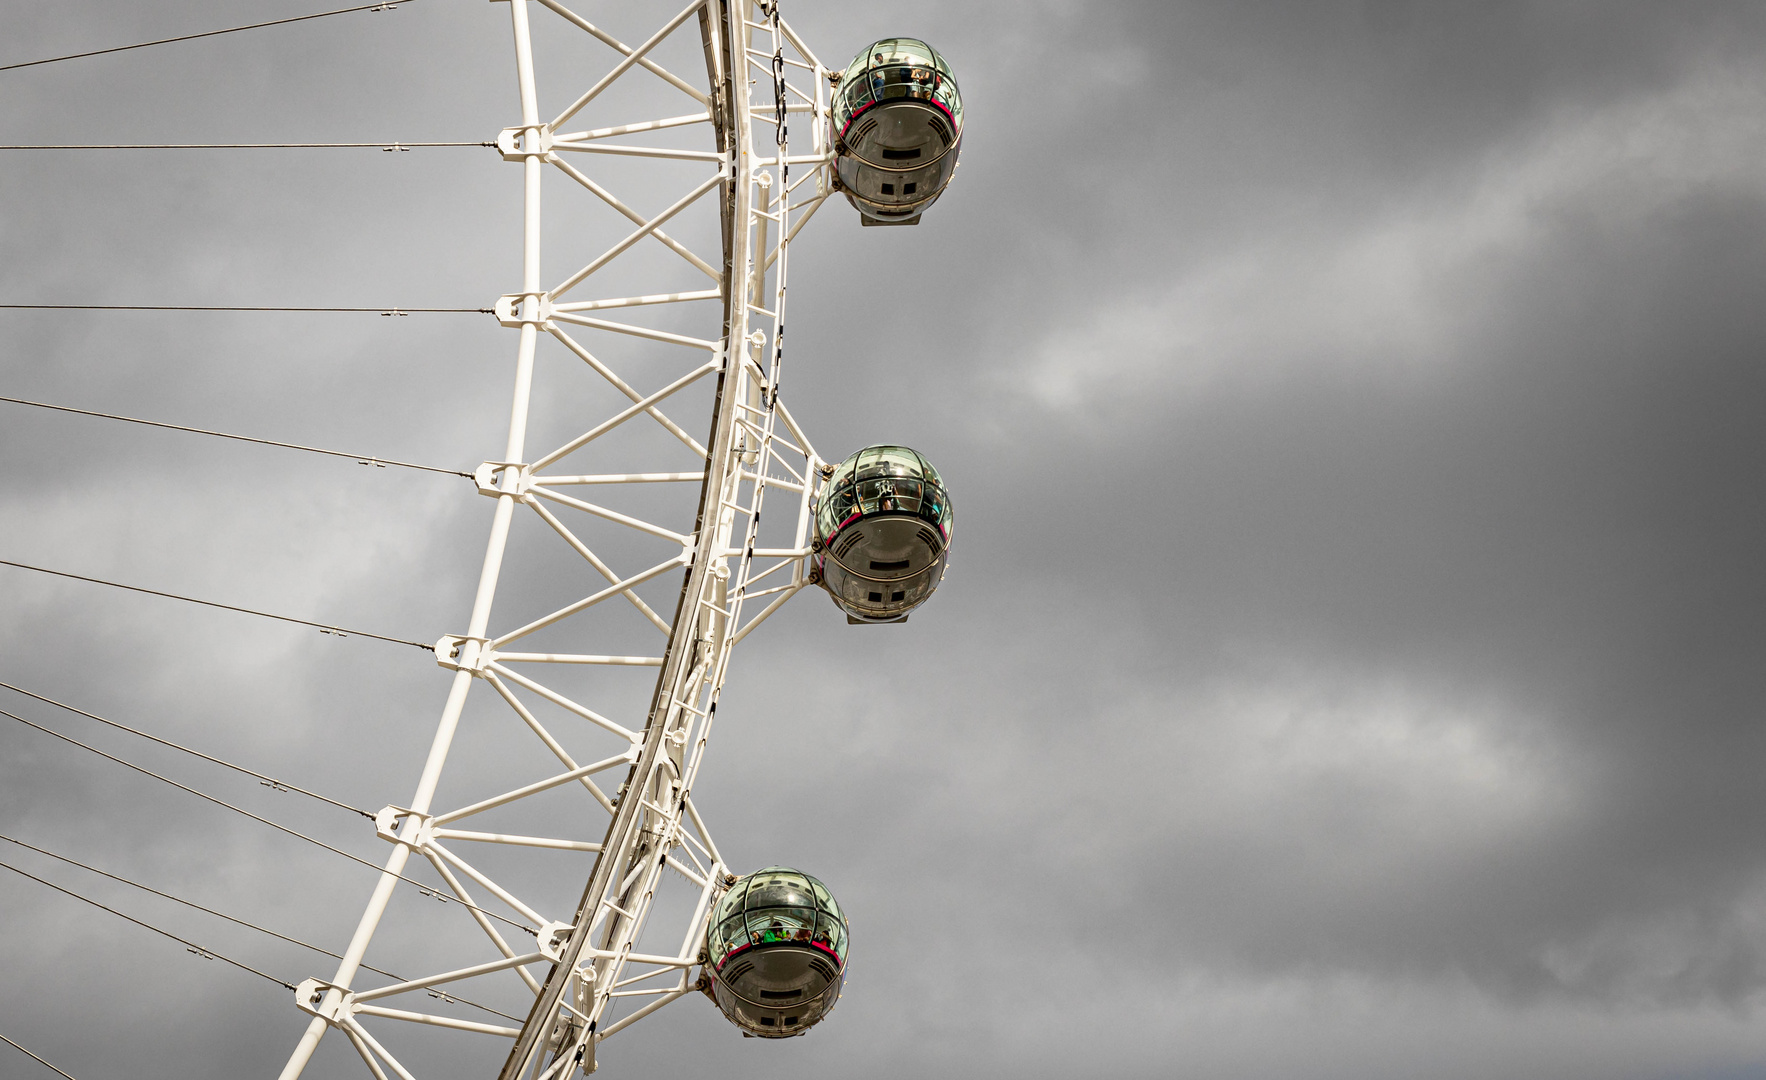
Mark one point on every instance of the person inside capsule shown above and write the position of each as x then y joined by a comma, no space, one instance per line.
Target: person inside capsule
897,128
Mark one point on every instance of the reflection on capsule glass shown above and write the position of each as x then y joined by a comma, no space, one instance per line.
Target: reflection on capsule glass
776,947
882,533
897,127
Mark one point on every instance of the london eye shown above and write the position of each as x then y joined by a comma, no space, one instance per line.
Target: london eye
732,134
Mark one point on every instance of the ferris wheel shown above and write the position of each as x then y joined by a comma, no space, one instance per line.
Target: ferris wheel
615,692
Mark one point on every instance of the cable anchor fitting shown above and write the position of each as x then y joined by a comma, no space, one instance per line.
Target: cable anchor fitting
538,142
552,938
391,820
315,997
490,483
457,652
509,310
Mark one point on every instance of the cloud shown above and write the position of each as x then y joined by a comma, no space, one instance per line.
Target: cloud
1351,662
1405,276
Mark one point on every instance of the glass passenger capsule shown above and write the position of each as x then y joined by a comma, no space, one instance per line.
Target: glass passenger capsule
776,947
897,128
882,533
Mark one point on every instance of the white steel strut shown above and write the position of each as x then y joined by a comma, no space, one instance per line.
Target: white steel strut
582,975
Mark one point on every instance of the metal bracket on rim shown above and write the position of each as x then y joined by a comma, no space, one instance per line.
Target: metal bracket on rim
552,938
310,996
485,476
457,652
508,138
508,310
386,826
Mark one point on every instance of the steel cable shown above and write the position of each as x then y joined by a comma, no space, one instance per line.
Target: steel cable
365,459
186,903
207,954
387,146
269,781
384,5
247,307
27,1053
239,922
326,628
266,821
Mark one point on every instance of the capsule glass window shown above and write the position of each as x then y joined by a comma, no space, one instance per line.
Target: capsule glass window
841,503
729,935
784,890
901,51
883,479
935,508
895,68
855,71
824,898
774,925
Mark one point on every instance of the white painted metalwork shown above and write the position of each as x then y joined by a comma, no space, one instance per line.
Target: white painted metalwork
584,965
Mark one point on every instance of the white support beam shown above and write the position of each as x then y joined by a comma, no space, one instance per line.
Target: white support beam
632,56
734,575
448,976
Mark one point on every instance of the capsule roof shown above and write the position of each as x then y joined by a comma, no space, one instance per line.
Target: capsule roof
899,67
903,50
889,480
885,460
777,905
777,886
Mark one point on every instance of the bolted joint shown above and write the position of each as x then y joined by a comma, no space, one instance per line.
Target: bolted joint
315,997
389,821
552,938
508,309
565,1030
539,142
457,652
491,484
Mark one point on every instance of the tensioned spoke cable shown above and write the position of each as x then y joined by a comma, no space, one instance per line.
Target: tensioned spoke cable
27,1053
388,146
266,821
383,5
366,459
324,627
198,949
186,903
231,919
271,781
248,307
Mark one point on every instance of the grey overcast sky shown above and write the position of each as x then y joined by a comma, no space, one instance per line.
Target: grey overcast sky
1352,660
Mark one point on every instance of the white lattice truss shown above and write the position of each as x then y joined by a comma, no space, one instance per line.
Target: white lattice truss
581,968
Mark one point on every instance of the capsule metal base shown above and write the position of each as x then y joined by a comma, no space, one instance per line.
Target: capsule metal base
866,219
778,990
878,569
